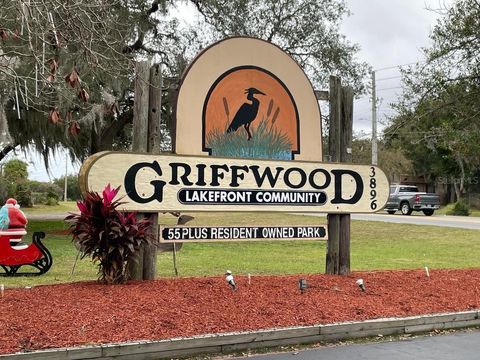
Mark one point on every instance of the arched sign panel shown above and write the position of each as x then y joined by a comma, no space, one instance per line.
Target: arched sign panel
246,98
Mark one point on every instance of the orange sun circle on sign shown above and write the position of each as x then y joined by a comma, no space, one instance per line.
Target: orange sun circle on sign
251,105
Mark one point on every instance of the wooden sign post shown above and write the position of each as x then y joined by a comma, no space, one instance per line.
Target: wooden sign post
146,139
340,150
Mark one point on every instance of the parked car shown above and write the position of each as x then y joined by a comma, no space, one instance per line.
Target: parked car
407,199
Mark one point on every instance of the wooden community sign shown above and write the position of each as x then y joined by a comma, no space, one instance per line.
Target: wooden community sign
158,183
247,137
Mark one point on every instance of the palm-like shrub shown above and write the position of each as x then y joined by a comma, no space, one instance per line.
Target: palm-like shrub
108,236
460,208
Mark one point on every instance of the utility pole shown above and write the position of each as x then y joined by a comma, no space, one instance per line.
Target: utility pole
66,171
374,122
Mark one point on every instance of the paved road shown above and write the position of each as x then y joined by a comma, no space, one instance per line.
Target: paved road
458,346
53,216
462,222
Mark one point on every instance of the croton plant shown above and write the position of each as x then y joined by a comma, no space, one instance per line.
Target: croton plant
110,237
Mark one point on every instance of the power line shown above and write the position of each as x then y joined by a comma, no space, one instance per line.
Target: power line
389,78
398,66
390,88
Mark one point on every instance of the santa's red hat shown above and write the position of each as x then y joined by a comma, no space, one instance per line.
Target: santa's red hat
12,203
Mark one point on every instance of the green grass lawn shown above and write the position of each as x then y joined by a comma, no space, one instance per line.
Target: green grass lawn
444,209
62,207
374,246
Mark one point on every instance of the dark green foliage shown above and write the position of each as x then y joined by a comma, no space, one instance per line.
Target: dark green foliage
391,160
45,193
73,189
23,194
108,236
438,124
51,201
16,185
48,189
3,190
460,208
15,171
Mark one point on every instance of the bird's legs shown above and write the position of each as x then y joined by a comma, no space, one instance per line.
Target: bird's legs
247,128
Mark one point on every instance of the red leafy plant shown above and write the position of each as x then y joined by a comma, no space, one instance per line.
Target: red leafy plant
108,236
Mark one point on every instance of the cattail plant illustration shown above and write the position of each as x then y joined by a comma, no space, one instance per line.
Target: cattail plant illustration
270,107
227,111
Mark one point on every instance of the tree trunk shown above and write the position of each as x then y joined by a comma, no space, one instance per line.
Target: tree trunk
458,193
5,137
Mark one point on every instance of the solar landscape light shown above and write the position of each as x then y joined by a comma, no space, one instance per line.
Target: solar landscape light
360,284
302,285
230,280
427,272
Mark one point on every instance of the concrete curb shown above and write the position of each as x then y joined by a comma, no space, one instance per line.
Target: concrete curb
225,343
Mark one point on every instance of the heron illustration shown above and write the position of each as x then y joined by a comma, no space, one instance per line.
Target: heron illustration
247,112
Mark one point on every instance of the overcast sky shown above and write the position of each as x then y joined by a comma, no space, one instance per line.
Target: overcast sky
390,33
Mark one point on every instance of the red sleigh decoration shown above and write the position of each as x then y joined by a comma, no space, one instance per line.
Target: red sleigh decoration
13,258
14,255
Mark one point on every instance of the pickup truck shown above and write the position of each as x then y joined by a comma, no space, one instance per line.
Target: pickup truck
407,199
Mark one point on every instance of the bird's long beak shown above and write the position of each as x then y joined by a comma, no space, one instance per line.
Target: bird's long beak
259,92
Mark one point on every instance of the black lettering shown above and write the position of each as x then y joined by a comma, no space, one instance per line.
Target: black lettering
311,179
260,178
338,199
186,171
201,175
130,180
216,174
303,178
235,175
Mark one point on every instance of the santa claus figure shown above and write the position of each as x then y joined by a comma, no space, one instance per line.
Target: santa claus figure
13,222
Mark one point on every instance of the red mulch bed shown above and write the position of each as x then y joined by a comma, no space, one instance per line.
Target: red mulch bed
89,313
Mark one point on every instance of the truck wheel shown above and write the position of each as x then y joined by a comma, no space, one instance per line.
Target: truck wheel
391,212
405,208
428,212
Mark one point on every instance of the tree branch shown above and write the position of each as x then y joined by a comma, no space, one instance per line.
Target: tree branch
6,150
138,44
